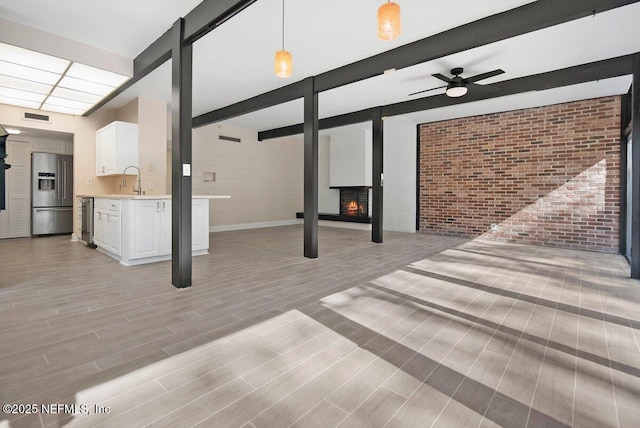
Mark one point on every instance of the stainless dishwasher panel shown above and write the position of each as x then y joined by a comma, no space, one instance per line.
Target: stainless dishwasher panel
87,221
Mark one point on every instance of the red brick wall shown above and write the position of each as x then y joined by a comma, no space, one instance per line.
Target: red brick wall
546,176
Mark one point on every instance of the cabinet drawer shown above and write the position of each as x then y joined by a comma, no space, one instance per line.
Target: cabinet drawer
107,204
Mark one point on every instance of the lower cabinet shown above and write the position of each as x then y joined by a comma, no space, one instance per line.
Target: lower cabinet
107,226
144,230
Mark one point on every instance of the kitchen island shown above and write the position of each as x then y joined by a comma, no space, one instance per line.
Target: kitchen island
136,229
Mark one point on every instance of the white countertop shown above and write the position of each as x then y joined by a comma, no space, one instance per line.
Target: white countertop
134,196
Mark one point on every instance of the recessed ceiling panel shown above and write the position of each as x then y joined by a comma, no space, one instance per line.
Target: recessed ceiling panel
27,73
24,85
32,59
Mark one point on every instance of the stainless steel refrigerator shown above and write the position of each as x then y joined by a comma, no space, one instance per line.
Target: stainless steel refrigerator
51,194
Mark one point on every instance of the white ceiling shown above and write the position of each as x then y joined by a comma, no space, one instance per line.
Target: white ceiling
235,61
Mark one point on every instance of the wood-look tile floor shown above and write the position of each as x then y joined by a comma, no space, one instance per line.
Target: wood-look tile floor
420,331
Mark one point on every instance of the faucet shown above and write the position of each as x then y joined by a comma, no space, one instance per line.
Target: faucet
139,180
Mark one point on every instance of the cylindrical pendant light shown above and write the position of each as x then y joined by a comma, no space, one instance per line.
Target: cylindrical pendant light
284,60
389,21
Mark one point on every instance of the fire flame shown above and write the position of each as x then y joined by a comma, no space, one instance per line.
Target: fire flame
352,208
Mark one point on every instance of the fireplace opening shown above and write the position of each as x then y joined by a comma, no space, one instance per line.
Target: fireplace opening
354,201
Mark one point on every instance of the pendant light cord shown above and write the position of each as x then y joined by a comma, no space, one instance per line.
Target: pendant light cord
282,24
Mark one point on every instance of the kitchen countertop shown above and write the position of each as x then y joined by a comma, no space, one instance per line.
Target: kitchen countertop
134,196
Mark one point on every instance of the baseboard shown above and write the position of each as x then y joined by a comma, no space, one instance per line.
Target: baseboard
228,227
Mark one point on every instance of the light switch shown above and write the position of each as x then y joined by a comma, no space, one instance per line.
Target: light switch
149,167
186,170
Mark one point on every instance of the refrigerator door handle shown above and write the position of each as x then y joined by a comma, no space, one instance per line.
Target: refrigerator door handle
64,180
53,209
58,180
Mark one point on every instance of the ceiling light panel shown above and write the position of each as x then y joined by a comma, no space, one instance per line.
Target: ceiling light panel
24,85
85,86
19,102
92,74
63,102
29,58
36,80
76,95
27,73
22,95
60,109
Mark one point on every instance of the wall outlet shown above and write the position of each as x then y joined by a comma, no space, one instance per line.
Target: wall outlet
89,180
150,186
149,167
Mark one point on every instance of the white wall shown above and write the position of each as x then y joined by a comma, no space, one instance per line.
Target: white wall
328,199
400,157
351,156
264,179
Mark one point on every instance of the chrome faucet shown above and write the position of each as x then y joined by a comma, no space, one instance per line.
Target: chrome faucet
139,180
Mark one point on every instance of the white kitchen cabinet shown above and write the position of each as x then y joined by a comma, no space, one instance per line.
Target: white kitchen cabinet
165,227
144,228
107,229
199,225
116,148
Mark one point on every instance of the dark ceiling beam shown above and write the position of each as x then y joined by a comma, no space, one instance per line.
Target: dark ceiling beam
326,123
209,14
268,99
614,67
200,21
521,20
589,72
525,19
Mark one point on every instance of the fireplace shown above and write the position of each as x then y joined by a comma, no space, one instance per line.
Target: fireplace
354,201
354,206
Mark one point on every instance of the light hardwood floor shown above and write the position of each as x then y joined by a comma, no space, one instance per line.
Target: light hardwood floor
419,331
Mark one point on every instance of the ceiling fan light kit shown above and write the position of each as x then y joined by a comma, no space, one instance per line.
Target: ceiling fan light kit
458,86
284,60
456,89
389,21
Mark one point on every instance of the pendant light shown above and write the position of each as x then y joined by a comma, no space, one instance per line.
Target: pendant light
389,21
284,60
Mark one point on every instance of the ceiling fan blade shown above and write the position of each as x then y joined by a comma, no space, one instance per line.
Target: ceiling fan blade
443,78
484,76
426,90
487,89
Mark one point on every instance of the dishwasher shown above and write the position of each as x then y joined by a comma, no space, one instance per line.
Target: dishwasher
87,222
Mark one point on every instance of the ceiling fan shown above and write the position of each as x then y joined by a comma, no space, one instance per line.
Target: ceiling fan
458,86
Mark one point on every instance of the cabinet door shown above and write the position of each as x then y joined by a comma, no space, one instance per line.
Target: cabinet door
115,233
165,227
106,150
144,229
98,228
200,224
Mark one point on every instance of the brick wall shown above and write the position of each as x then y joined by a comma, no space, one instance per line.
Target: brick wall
545,176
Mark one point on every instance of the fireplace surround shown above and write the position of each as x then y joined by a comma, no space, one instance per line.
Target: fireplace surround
354,205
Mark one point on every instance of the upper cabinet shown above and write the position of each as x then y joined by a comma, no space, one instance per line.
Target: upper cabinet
116,148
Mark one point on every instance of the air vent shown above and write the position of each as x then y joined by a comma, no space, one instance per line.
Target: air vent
225,138
34,116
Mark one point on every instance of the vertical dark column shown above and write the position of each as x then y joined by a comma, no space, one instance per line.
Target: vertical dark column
310,169
376,204
635,165
181,158
625,117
